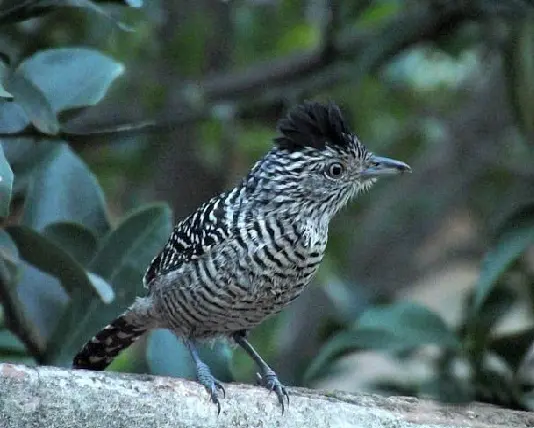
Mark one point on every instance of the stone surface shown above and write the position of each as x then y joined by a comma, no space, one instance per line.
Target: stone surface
53,398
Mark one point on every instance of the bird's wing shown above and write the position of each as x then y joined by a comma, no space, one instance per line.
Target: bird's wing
191,238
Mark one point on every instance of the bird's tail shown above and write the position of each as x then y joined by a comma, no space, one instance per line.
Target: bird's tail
100,351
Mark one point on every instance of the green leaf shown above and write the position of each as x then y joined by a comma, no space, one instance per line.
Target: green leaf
10,345
411,323
75,239
348,299
496,305
48,257
12,11
349,341
13,118
511,244
10,281
25,155
376,13
512,347
34,103
41,301
122,260
9,259
71,78
6,184
8,249
102,287
134,3
301,36
447,388
496,387
137,240
86,4
64,189
168,356
51,259
478,328
4,72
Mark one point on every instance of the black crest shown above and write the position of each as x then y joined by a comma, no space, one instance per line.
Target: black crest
312,124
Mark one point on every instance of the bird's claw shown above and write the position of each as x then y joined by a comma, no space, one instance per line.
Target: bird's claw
213,386
270,381
219,385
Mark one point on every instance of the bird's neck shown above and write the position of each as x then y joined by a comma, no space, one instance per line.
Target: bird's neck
261,199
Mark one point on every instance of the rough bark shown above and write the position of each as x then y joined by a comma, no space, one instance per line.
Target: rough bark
53,397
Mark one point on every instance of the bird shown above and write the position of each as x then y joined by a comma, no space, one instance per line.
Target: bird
248,252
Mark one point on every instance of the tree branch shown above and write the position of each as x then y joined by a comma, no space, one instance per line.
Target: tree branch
17,322
366,50
346,57
52,397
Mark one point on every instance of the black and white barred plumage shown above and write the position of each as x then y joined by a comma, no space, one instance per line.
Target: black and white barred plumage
247,253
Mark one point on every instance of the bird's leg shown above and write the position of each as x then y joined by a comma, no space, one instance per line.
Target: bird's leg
266,377
205,378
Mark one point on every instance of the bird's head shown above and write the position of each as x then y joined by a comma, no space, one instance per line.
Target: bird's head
319,162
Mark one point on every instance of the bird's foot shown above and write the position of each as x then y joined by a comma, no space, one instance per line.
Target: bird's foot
269,380
212,385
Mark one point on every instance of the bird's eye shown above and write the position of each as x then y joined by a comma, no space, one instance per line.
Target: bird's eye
335,170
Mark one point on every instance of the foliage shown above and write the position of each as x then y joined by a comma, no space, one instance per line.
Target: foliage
403,327
71,258
65,271
14,10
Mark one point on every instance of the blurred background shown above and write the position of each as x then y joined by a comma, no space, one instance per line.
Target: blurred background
427,285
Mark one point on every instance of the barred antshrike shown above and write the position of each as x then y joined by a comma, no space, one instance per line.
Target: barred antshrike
247,253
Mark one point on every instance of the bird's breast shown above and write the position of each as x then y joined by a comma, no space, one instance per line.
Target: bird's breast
248,278
284,264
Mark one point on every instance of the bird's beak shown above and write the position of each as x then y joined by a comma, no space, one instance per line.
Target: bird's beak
384,166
